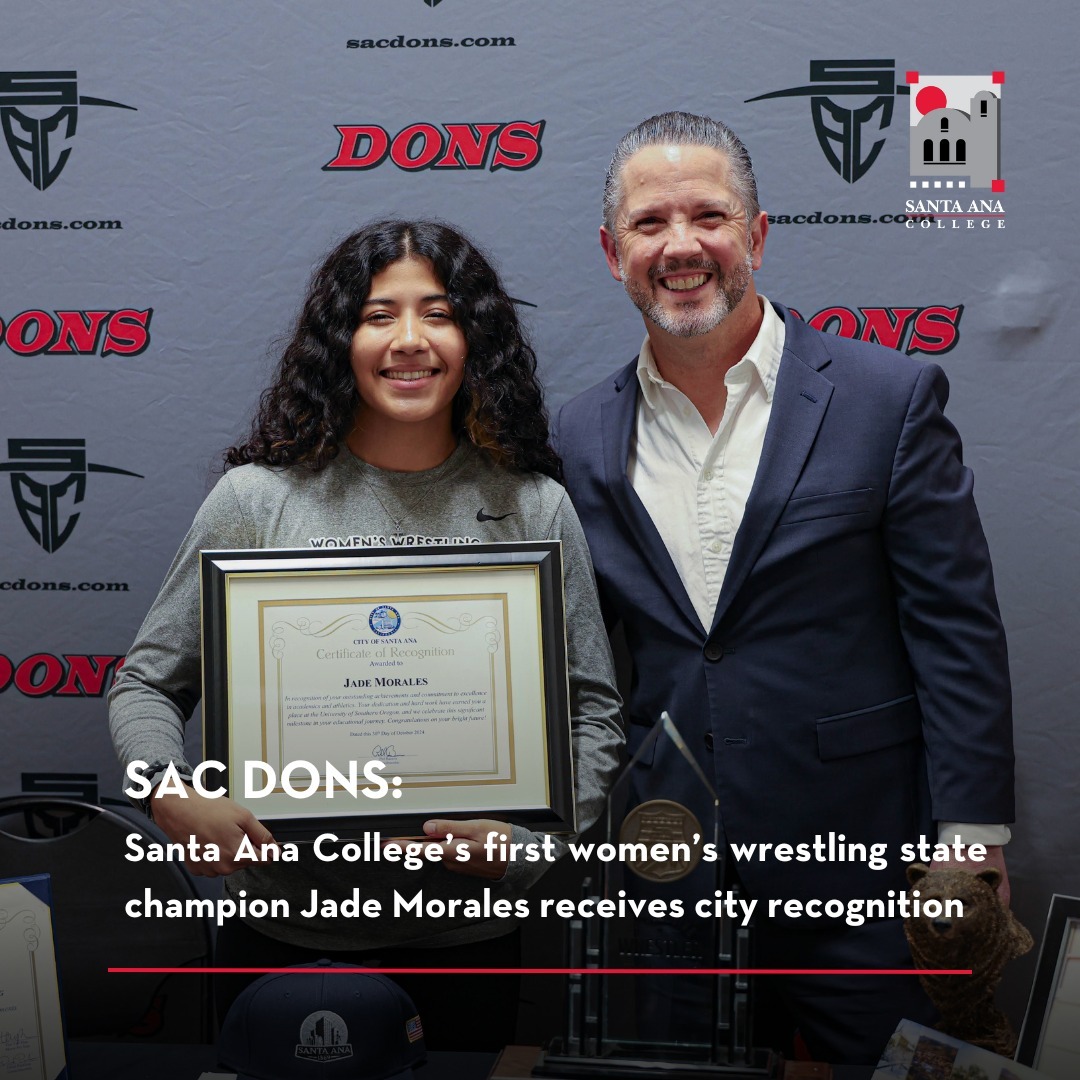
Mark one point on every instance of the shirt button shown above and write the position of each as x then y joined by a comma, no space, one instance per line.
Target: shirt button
708,474
716,547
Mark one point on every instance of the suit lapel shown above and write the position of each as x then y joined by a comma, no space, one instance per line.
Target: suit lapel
799,403
618,415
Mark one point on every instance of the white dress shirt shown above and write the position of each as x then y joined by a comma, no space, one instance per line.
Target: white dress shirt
695,484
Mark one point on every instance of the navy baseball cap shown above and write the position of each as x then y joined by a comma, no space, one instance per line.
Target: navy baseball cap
315,1022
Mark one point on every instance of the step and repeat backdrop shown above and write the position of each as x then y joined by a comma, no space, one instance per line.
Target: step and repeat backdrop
171,173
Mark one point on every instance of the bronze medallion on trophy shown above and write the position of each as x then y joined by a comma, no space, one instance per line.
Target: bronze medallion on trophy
672,829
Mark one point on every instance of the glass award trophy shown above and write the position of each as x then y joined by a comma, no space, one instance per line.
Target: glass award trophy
655,992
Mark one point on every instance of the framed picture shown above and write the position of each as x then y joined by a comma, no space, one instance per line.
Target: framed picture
354,690
1050,1038
920,1053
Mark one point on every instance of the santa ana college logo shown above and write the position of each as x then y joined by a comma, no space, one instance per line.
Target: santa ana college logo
955,152
956,131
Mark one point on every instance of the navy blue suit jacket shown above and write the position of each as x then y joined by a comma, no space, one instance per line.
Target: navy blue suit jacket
854,678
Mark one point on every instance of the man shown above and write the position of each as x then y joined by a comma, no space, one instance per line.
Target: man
782,523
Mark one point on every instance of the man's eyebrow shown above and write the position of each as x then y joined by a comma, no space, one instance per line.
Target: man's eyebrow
719,203
729,205
634,216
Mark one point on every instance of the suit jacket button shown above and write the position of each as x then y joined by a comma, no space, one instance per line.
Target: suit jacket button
708,741
714,650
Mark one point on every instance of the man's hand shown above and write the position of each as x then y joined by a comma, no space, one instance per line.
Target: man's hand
210,821
995,856
473,833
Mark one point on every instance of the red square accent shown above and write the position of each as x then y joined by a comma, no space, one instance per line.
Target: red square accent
998,77
912,77
997,185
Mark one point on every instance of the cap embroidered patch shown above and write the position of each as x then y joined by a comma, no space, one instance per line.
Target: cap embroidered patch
323,1037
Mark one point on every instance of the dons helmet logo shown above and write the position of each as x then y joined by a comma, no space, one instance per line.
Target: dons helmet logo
847,136
507,145
38,138
47,509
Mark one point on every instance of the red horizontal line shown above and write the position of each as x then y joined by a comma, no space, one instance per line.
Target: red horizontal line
317,970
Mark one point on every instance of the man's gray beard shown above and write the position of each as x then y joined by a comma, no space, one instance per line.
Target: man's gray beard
694,321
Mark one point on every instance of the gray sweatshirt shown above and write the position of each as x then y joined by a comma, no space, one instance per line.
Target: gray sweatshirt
257,507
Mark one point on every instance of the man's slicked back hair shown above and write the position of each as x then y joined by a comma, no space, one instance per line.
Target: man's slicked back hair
682,129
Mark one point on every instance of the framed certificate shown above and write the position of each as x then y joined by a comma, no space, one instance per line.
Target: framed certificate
31,1026
361,689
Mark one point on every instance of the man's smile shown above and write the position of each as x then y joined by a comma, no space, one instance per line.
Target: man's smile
683,283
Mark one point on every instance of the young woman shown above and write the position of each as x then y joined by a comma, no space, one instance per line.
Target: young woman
405,404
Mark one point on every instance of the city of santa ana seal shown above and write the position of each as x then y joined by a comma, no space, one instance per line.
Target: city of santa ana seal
384,620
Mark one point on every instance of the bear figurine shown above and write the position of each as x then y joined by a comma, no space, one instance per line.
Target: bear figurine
984,940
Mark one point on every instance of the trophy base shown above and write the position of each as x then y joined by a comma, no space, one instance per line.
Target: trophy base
762,1065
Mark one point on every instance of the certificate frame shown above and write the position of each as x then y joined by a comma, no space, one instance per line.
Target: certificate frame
1050,1027
505,753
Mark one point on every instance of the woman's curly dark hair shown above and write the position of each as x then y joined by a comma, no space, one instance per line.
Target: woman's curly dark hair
306,414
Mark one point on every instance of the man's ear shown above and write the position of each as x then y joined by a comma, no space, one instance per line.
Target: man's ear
607,242
759,229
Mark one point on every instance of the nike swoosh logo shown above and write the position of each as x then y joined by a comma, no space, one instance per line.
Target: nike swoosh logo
481,516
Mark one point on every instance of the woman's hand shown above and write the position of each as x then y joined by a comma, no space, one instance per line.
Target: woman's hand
209,821
471,836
